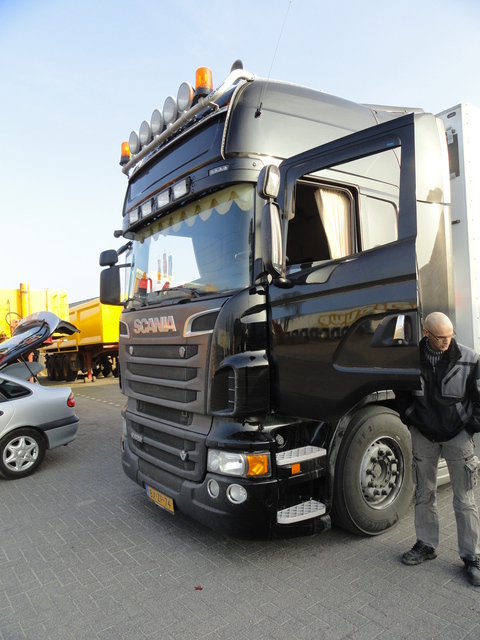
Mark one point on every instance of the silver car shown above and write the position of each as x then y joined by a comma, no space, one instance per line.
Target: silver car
32,418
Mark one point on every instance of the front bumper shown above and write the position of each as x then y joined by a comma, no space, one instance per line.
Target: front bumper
254,518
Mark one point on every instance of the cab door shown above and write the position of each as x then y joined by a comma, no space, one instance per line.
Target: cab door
345,317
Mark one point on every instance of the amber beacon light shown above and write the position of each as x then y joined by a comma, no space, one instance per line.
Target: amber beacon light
125,154
203,82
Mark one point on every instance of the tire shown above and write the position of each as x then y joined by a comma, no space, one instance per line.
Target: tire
50,369
105,366
21,452
68,373
58,368
373,485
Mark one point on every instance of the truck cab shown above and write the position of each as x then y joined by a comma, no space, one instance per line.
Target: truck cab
283,245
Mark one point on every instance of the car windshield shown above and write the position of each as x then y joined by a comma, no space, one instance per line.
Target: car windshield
203,247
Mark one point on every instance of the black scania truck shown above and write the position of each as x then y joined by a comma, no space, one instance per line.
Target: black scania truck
281,247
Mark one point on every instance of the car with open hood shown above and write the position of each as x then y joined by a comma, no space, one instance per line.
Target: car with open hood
33,418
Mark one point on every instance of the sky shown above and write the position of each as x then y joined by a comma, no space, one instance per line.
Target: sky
77,77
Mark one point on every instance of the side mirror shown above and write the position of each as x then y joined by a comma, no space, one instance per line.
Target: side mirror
110,290
108,258
268,182
272,241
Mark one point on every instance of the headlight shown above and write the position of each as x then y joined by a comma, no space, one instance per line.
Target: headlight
243,465
134,142
145,133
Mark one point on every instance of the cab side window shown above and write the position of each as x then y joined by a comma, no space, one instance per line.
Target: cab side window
322,226
342,211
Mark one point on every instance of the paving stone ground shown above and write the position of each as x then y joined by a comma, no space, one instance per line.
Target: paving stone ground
85,555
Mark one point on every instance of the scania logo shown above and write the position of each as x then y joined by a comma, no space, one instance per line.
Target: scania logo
162,324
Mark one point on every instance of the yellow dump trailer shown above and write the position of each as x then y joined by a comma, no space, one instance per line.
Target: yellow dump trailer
15,304
93,351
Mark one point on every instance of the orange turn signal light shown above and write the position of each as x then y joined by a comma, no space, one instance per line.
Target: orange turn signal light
258,464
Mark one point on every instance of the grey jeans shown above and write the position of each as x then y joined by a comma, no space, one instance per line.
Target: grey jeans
459,455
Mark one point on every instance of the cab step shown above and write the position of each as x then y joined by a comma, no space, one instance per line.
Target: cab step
299,512
293,456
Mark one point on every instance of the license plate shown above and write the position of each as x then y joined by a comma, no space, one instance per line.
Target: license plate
161,499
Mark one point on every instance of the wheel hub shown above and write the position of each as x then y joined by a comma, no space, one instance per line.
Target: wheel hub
380,472
20,454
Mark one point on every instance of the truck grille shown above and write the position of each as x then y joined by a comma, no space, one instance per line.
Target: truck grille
174,450
168,375
165,378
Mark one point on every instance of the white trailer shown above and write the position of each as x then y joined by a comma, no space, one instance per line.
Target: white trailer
462,126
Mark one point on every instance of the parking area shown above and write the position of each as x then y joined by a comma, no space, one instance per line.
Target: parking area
84,554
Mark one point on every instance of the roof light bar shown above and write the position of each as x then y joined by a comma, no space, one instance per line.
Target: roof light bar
176,113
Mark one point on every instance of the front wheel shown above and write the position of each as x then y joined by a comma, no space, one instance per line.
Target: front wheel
21,452
373,485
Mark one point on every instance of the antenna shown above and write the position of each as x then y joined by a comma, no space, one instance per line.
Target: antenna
259,108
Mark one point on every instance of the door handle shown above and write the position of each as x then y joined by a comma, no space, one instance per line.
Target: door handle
399,333
396,331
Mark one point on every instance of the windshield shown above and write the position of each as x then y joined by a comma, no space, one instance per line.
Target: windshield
204,247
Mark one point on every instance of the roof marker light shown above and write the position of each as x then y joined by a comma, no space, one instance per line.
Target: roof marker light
145,133
185,96
134,142
133,216
170,110
163,199
181,188
156,122
212,172
146,208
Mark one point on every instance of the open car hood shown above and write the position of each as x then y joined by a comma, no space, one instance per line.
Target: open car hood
31,333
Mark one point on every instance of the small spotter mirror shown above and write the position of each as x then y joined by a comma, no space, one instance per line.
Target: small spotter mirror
268,183
108,258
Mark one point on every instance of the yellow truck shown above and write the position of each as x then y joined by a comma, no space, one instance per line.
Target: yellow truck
16,304
93,351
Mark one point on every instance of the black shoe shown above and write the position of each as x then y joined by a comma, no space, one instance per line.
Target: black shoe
419,553
472,565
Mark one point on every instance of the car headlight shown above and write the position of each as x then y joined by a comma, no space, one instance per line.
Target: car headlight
243,465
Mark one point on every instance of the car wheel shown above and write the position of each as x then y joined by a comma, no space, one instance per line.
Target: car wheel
373,486
21,452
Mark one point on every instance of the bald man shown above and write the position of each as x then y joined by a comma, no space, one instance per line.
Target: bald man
442,417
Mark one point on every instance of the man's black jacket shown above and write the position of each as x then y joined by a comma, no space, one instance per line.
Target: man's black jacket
449,399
